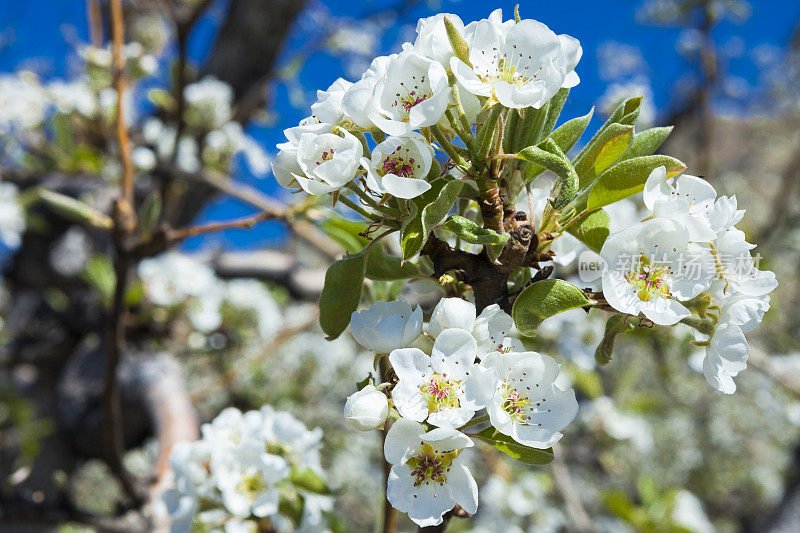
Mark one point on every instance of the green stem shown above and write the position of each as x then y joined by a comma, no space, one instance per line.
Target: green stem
486,132
358,209
448,147
475,421
371,201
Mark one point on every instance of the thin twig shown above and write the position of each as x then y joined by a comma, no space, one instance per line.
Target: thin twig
249,195
762,362
118,26
177,235
563,482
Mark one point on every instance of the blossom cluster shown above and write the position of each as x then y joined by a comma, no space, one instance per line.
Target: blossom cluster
690,257
173,279
248,468
516,64
459,364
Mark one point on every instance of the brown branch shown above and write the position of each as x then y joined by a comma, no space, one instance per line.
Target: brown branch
118,27
563,482
94,19
115,340
302,228
124,223
389,521
177,235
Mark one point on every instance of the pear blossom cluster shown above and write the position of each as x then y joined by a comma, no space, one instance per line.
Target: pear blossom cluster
449,370
689,258
174,279
244,471
400,95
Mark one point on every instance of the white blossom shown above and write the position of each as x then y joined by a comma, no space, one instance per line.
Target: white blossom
524,401
650,268
238,471
444,387
399,166
386,326
432,40
326,161
428,476
737,265
328,107
689,200
491,329
285,166
413,93
357,102
727,348
519,64
246,477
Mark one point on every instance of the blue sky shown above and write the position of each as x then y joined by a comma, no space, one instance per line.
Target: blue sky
41,34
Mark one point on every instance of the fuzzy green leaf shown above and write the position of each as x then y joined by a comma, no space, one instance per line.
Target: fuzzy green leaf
520,452
565,136
603,151
626,112
544,299
592,230
470,232
460,47
648,141
341,293
554,110
428,210
628,178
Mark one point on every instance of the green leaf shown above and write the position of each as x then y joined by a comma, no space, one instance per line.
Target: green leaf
520,452
341,293
554,110
428,210
460,47
532,126
74,210
308,480
628,178
648,141
592,230
345,233
565,136
544,299
470,232
602,152
384,267
550,156
626,112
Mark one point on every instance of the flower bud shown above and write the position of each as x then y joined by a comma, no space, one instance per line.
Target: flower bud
366,409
